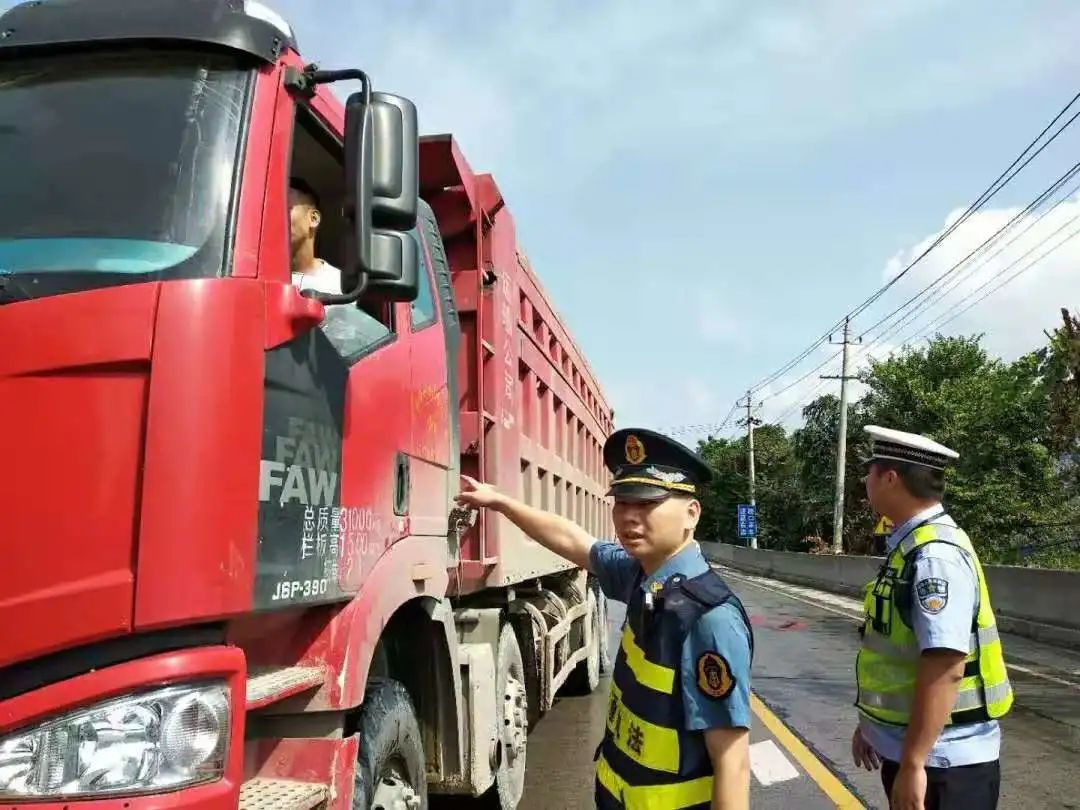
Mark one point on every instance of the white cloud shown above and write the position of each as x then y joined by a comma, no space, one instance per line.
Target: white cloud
1015,287
1023,278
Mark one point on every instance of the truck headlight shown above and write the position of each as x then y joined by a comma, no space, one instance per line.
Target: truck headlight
165,739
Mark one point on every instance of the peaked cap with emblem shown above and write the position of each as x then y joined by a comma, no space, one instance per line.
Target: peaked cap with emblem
648,466
911,448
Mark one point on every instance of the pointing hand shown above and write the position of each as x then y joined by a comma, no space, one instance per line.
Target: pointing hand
476,495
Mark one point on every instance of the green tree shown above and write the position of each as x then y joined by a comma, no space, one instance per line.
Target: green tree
776,491
814,448
996,415
1060,370
1016,425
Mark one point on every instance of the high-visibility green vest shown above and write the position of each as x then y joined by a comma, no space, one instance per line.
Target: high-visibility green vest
887,663
648,760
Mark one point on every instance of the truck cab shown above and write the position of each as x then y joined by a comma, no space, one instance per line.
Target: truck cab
235,563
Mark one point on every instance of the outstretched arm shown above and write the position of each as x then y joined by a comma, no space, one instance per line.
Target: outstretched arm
553,532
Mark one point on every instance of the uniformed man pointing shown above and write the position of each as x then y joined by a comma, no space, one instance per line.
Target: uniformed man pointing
679,712
931,676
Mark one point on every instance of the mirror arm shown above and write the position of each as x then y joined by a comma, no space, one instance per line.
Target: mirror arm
352,74
303,82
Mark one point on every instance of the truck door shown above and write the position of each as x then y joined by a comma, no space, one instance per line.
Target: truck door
434,436
337,397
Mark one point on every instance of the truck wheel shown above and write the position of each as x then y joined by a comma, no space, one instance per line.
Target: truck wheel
512,723
390,770
586,675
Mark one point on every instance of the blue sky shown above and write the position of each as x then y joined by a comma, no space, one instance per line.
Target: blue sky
703,192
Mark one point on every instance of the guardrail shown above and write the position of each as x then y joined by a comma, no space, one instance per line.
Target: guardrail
1038,603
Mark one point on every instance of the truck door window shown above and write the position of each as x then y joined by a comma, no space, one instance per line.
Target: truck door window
355,330
423,307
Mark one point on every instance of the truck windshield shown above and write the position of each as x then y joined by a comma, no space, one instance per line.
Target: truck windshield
115,168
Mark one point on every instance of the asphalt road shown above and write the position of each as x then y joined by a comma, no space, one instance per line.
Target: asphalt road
804,677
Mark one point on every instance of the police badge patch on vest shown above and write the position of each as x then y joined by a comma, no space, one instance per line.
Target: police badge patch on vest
714,675
933,594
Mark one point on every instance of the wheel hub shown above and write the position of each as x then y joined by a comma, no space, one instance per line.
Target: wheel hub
393,793
515,718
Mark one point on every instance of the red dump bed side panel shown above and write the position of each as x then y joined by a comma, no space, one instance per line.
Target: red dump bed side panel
533,415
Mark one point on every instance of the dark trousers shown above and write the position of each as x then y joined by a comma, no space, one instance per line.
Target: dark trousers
972,787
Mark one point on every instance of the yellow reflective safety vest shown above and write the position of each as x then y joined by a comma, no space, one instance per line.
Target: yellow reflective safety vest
887,663
647,759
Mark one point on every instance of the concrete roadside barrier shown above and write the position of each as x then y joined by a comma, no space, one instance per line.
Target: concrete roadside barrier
1038,603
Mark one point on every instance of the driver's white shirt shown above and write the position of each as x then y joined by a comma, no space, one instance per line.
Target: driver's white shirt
325,278
347,326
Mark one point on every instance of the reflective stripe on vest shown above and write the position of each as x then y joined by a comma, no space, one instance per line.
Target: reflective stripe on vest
680,796
887,664
659,679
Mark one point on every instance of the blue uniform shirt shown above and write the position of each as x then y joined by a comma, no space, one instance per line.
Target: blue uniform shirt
720,631
940,626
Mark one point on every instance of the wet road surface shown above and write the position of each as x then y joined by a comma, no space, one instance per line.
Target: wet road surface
806,643
805,671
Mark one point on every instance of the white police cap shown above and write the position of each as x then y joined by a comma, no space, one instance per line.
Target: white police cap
911,448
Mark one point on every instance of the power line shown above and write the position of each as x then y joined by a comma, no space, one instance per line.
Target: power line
704,427
1010,172
937,323
1009,280
929,303
984,198
1034,204
804,377
941,320
806,399
937,319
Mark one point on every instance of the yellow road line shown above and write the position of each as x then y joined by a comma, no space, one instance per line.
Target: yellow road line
825,779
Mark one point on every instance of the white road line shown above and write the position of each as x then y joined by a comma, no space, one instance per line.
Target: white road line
759,582
1045,677
769,765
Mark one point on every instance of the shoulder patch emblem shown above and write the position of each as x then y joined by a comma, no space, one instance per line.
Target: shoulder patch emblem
933,594
635,450
714,675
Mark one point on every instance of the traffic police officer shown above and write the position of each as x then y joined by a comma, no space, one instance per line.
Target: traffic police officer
677,731
931,675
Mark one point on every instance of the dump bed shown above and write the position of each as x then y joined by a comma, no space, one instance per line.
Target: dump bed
533,418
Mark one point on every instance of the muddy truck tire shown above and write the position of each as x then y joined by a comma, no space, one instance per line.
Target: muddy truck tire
390,768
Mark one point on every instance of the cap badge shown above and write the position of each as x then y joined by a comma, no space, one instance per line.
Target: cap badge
670,477
635,450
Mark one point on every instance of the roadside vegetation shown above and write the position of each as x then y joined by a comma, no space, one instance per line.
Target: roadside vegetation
1016,425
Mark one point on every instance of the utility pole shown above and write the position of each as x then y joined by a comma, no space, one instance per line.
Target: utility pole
841,441
750,421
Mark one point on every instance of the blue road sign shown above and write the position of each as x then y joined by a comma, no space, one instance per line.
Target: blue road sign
747,520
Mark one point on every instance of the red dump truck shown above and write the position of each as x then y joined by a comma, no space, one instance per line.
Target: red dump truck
234,574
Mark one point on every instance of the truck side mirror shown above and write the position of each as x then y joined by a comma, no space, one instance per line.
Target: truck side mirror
396,187
359,180
382,173
398,254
